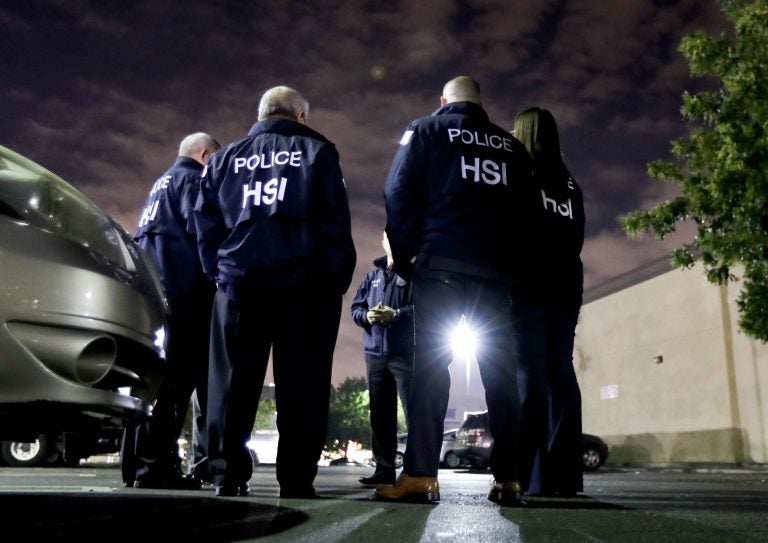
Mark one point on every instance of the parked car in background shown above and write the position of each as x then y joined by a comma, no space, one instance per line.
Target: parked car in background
59,449
263,446
474,442
82,314
448,456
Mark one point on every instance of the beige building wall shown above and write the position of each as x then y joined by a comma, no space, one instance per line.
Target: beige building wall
665,374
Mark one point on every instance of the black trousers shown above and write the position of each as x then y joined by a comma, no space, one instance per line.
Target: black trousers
388,378
152,446
299,325
440,300
550,395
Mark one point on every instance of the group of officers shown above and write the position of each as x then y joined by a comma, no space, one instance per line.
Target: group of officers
253,245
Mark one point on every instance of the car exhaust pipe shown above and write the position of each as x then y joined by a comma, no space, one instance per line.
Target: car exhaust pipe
77,355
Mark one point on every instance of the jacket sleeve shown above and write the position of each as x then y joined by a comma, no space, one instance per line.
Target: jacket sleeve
334,220
189,194
359,306
209,225
403,191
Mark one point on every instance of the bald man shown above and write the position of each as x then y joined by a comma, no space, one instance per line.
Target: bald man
456,191
167,234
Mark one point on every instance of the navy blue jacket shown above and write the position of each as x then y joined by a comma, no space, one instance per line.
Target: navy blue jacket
273,211
458,189
557,276
383,285
166,232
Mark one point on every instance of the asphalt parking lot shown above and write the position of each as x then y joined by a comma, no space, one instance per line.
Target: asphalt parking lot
634,505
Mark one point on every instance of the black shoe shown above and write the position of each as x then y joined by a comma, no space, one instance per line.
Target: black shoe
378,479
232,489
170,481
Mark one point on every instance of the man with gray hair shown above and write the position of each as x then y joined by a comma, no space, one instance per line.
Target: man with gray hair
274,231
283,102
166,233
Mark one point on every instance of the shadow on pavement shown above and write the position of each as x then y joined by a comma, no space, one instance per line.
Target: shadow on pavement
581,502
100,517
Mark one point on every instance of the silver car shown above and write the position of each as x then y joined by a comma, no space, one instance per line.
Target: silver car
448,456
82,312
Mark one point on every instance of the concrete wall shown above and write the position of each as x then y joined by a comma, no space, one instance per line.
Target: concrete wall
667,377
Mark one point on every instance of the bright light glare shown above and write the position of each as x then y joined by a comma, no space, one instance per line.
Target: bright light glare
160,340
463,340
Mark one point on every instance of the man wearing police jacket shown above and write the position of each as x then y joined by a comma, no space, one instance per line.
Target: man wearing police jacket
273,227
166,232
383,308
456,197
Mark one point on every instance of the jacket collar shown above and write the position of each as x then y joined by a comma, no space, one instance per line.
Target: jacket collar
284,127
188,162
470,109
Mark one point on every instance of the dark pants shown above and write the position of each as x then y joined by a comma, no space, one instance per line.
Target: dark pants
550,395
152,447
440,299
299,325
388,379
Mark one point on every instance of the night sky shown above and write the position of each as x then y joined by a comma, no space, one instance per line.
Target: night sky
101,92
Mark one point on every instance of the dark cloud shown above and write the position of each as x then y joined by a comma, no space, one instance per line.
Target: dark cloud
101,92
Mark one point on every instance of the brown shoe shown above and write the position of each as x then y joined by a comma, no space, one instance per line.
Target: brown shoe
506,493
410,489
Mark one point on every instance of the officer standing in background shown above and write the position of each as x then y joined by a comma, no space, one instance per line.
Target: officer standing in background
454,200
383,308
545,308
166,233
274,230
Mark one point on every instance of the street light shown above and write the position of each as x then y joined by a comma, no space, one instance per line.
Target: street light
464,343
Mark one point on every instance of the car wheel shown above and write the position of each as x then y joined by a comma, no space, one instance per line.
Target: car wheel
452,460
591,459
20,454
398,460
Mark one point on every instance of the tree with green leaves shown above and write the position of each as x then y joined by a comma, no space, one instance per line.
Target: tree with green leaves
348,418
722,165
265,415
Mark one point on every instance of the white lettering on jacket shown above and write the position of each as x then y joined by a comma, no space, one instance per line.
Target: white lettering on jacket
264,192
161,184
149,213
267,160
565,209
488,171
481,139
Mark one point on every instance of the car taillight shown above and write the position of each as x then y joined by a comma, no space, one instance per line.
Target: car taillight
474,435
477,437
